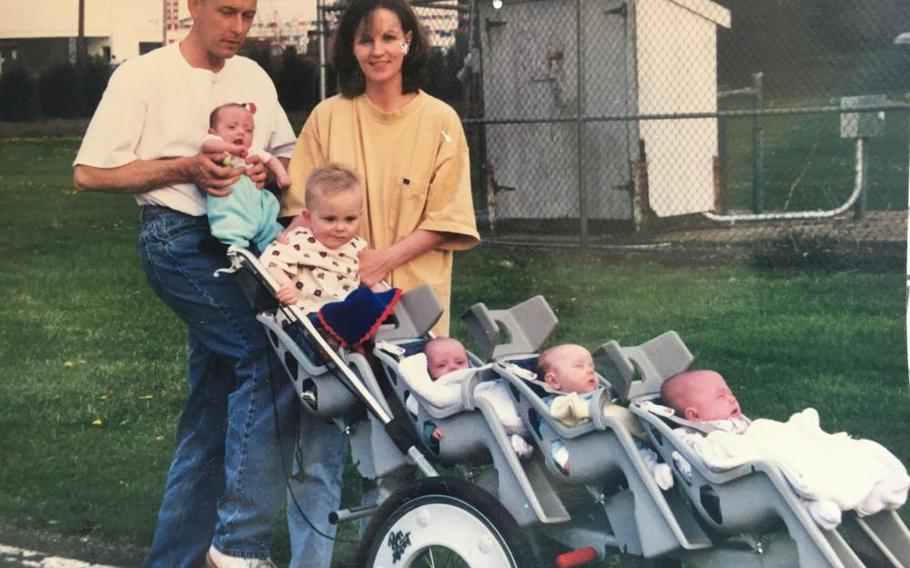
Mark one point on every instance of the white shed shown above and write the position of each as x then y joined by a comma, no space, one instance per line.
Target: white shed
639,57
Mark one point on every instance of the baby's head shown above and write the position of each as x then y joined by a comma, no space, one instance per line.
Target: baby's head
445,355
233,122
333,201
700,396
567,368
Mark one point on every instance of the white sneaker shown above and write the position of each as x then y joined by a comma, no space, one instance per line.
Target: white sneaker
217,559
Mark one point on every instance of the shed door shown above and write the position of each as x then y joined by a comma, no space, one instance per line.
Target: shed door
530,72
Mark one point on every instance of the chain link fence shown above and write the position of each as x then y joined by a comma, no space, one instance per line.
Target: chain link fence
613,123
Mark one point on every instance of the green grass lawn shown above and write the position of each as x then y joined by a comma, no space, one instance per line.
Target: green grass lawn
808,166
92,366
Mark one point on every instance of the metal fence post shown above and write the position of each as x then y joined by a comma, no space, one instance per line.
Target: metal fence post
320,18
579,106
758,191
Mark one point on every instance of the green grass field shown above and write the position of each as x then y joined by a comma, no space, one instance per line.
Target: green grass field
92,366
807,166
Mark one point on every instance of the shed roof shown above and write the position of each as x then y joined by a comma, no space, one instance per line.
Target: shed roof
706,9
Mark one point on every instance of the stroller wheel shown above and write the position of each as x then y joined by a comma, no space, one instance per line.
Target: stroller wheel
443,522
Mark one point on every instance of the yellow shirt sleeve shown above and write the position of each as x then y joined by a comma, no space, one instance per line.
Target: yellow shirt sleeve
449,207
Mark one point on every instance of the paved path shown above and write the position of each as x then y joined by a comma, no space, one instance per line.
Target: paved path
13,557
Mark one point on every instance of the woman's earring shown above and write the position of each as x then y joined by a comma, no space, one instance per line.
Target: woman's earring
405,46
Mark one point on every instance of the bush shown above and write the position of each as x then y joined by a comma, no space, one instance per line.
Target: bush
261,53
93,78
17,95
58,92
297,82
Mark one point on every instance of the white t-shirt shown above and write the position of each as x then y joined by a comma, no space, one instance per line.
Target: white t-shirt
158,106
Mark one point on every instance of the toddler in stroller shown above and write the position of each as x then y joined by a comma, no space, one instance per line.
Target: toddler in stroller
317,265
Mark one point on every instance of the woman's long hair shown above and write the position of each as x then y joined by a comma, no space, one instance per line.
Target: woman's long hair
351,82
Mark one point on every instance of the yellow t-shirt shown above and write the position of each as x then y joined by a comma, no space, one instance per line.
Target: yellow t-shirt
414,166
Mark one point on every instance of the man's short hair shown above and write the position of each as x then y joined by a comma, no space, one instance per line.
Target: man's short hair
329,180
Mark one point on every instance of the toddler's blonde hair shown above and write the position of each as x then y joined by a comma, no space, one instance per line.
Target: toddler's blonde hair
330,180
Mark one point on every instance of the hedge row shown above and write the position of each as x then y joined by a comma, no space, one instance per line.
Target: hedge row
68,91
61,91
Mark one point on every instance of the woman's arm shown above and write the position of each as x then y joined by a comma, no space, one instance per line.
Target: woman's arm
376,264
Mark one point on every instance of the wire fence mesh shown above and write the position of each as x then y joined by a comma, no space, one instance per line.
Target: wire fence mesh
610,122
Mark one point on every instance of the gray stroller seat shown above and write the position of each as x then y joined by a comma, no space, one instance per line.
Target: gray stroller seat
606,464
750,500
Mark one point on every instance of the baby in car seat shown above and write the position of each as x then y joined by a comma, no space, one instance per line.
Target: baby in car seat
830,472
439,383
703,396
567,372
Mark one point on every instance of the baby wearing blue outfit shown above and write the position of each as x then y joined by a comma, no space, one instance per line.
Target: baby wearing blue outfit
248,215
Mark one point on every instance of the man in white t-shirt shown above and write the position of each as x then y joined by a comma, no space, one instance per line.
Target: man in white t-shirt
226,484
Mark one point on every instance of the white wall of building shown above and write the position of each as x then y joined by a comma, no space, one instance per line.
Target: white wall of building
123,24
118,24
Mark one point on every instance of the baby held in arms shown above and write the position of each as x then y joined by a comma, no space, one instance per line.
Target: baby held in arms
248,215
829,472
437,374
567,372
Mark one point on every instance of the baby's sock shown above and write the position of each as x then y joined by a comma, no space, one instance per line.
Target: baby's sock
522,448
661,472
560,455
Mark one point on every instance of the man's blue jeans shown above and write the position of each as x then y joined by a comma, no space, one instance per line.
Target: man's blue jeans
226,484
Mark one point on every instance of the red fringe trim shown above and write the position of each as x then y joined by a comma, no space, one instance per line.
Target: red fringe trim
390,307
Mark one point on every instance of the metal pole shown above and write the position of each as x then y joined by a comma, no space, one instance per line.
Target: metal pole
320,29
163,23
81,53
758,192
579,107
862,170
722,164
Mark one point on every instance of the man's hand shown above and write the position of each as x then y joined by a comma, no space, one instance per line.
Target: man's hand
287,294
256,170
213,178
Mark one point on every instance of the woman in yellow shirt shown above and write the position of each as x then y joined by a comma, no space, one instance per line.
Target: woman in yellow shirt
410,151
408,147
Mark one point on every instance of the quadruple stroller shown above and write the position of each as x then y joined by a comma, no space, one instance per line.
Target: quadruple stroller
468,499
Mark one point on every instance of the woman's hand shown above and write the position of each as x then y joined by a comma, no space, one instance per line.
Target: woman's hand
375,266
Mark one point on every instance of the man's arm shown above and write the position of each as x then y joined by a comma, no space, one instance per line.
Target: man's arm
144,175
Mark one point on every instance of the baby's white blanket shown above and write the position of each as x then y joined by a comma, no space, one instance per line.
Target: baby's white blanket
446,390
855,474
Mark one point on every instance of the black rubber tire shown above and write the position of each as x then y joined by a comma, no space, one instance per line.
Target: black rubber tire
471,502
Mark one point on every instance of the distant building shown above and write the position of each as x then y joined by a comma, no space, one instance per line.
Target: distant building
41,33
